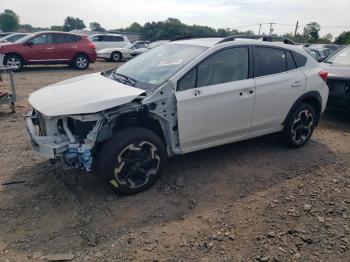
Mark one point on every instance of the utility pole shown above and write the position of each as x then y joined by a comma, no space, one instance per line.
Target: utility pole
296,29
260,28
271,28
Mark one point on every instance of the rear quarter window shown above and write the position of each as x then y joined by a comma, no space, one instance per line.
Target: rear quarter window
299,59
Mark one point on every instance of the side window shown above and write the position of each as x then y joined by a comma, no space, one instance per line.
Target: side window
226,66
290,61
269,61
113,38
42,39
299,59
60,38
188,81
98,38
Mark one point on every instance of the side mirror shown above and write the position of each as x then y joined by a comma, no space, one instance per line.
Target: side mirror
29,44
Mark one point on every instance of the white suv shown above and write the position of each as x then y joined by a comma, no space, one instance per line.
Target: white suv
177,98
109,40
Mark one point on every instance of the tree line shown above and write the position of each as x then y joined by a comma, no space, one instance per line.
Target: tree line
168,29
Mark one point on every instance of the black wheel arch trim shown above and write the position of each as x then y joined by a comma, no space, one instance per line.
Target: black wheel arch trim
309,95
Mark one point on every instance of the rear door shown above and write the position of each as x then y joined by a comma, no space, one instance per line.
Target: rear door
279,82
65,46
215,100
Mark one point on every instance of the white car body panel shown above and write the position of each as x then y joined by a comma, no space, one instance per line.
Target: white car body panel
278,91
105,53
109,44
82,95
202,110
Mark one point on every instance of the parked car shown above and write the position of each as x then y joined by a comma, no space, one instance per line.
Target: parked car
180,97
49,48
3,34
320,54
148,47
338,66
109,40
116,54
13,37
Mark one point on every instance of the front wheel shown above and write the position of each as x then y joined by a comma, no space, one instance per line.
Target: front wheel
299,126
81,62
14,61
132,160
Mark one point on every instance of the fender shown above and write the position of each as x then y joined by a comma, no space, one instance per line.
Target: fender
311,95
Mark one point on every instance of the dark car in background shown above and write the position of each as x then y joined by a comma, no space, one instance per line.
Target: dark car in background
338,68
49,48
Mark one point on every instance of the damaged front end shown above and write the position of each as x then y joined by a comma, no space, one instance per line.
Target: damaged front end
67,138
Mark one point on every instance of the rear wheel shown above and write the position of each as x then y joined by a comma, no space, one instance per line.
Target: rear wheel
300,126
132,160
116,57
81,62
14,61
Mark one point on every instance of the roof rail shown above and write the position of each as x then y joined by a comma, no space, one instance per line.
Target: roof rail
186,37
257,37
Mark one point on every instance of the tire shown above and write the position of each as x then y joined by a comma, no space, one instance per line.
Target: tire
132,160
299,126
14,60
116,57
81,62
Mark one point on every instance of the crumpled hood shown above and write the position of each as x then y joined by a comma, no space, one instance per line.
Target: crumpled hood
82,95
336,71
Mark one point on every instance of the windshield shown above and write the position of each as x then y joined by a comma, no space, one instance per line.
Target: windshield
156,66
24,39
340,58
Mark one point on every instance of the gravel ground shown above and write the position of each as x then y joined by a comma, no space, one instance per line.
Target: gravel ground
249,201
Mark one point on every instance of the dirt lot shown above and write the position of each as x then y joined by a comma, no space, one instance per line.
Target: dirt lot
249,201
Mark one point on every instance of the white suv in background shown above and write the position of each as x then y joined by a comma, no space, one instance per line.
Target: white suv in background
109,40
179,97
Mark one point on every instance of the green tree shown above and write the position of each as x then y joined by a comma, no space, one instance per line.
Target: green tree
311,32
343,38
71,23
94,26
327,39
135,28
56,28
9,21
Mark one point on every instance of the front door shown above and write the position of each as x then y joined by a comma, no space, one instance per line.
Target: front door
39,49
215,100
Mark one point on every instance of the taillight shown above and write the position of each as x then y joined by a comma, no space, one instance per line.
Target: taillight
92,45
323,75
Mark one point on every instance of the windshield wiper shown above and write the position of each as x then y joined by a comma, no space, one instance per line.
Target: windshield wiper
328,62
125,78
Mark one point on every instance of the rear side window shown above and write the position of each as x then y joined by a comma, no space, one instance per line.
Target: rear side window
113,38
290,61
64,38
299,59
269,61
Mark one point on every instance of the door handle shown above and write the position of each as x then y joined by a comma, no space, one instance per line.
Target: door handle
196,92
74,46
296,84
247,92
50,48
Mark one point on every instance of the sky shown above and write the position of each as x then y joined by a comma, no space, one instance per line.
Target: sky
240,14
